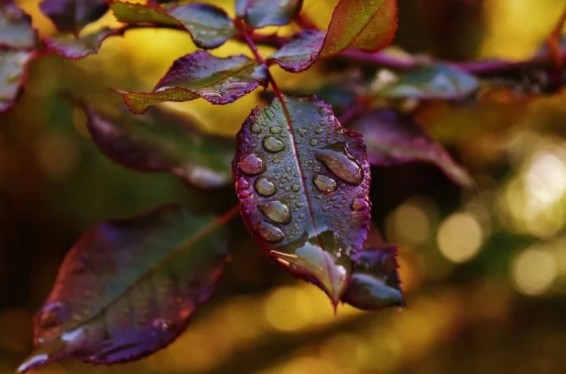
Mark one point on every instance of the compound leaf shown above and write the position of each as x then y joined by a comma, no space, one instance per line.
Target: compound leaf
395,139
303,183
300,52
369,25
128,288
13,67
15,27
73,15
200,74
261,13
162,142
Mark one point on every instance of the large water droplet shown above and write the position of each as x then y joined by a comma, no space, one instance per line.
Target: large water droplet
325,184
252,164
269,232
276,211
265,187
341,165
272,144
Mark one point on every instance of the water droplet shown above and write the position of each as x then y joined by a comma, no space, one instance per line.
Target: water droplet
275,129
295,187
342,165
276,211
242,188
52,315
256,128
359,204
252,164
269,232
265,187
325,184
211,95
318,130
317,169
314,142
302,132
272,144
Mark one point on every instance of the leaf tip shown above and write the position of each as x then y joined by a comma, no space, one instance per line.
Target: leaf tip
33,361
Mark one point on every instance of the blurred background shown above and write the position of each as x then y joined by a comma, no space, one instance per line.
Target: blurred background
484,271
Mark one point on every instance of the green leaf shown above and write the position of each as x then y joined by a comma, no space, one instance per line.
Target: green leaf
128,288
261,13
13,65
15,27
200,74
162,142
431,82
209,26
369,25
303,183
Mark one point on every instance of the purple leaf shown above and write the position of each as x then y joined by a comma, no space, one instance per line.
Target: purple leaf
15,27
375,283
200,74
303,183
396,139
209,26
300,52
13,72
162,142
73,15
261,13
128,288
75,48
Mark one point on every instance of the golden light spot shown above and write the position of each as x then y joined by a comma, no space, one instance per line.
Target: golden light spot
410,223
460,237
281,310
545,179
533,271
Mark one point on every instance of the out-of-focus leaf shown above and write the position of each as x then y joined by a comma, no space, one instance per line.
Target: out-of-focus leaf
300,52
209,26
13,65
75,48
303,183
375,283
431,82
15,27
369,25
261,13
200,74
128,288
395,139
73,15
162,142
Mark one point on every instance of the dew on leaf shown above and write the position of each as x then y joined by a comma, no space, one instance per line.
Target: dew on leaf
269,232
272,144
275,129
324,184
295,187
52,315
256,128
341,164
359,204
265,187
252,164
276,211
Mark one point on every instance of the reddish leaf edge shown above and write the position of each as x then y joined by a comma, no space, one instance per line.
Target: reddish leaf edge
22,79
52,46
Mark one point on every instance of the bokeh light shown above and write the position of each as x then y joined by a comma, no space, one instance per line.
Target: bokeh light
460,237
533,271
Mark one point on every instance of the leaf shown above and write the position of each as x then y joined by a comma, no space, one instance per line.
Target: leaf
128,288
303,183
15,27
300,52
395,139
261,13
369,25
162,142
375,283
76,48
209,26
200,74
73,15
431,82
13,71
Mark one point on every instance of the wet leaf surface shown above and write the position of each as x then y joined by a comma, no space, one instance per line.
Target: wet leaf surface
396,139
200,74
13,65
261,13
303,183
73,15
300,52
209,26
128,288
15,27
162,142
369,25
431,82
75,48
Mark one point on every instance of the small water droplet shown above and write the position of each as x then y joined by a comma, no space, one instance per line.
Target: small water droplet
325,184
273,144
299,204
314,142
265,187
341,165
317,169
256,128
252,164
359,204
275,129
211,95
318,130
242,188
302,132
52,315
276,211
295,187
269,232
